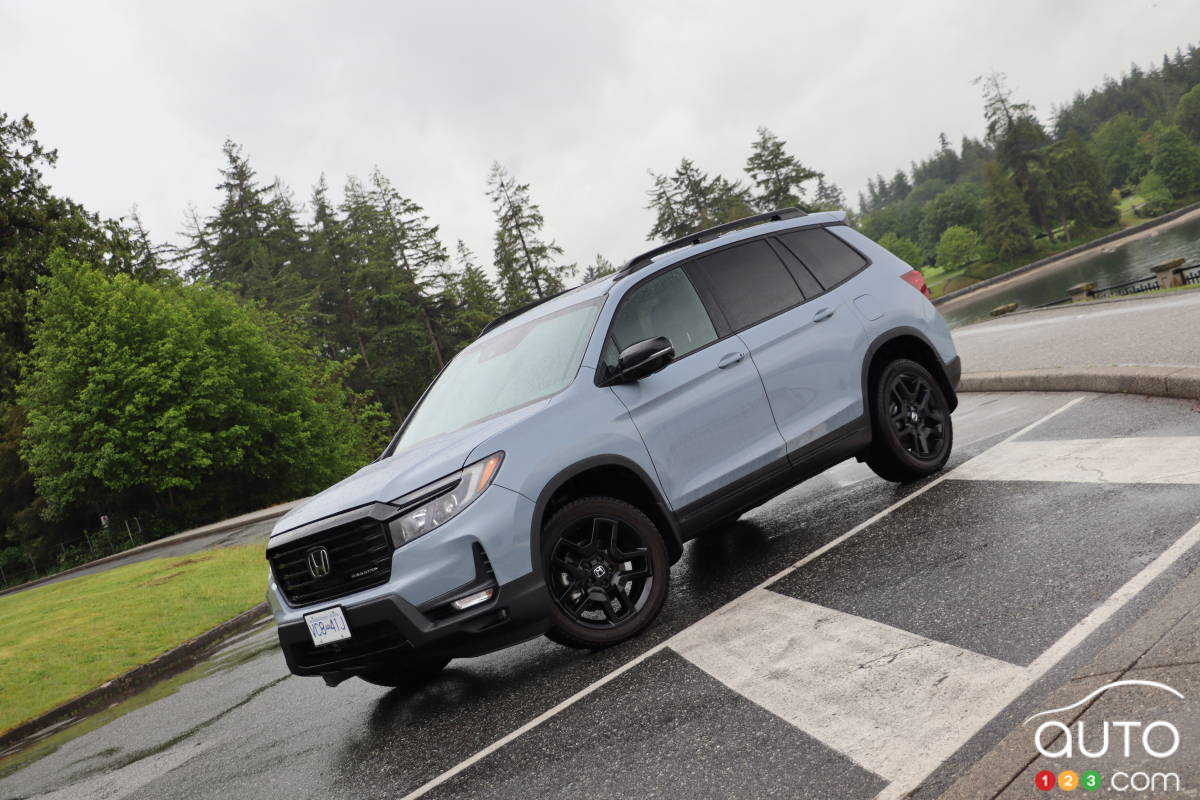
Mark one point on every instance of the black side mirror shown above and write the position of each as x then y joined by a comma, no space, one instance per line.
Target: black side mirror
643,358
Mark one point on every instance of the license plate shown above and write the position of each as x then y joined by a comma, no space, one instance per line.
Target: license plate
327,626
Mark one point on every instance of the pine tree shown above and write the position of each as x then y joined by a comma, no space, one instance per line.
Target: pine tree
473,295
1006,229
528,266
1081,193
778,177
1017,136
599,269
1175,160
689,200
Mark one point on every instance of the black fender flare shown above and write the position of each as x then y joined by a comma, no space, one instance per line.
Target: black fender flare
948,381
671,535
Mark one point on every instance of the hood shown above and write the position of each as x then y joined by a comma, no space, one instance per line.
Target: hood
406,471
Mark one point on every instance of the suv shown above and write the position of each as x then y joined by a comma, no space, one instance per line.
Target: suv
548,478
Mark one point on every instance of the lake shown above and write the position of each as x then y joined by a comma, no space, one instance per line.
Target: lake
1125,262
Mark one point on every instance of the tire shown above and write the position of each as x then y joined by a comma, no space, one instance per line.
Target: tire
606,570
912,433
404,676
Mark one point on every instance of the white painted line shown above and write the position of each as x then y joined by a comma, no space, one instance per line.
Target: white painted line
585,691
920,770
1165,459
882,696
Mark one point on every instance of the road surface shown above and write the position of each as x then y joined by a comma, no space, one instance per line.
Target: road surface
849,639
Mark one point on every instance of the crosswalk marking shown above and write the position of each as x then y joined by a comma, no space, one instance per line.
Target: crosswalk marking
1152,459
882,696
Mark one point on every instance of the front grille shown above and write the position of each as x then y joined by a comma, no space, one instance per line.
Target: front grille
360,557
376,639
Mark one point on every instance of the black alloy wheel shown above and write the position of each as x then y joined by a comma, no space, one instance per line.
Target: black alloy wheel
912,433
606,570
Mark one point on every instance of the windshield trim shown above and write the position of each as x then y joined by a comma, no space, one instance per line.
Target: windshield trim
599,301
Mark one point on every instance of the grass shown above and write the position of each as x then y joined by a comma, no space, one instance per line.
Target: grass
59,641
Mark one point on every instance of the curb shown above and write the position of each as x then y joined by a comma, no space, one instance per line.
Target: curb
1178,382
133,681
1074,251
262,515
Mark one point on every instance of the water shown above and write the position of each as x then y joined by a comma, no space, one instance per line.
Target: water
1125,262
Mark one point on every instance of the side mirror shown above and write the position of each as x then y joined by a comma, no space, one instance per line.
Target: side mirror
644,358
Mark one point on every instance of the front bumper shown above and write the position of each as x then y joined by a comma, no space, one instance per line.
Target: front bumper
389,630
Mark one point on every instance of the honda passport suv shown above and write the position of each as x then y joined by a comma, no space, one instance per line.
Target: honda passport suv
548,478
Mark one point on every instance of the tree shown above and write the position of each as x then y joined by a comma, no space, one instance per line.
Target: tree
529,267
904,249
1175,160
1156,197
958,247
959,205
252,240
1187,113
599,269
474,298
1006,229
1115,143
1017,136
1081,193
778,177
689,200
181,397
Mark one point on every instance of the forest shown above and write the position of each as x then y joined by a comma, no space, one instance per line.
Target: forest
276,346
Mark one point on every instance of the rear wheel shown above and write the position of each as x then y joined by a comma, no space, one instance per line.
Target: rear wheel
912,431
607,571
404,676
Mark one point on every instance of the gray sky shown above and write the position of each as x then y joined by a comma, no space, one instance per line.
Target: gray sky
578,99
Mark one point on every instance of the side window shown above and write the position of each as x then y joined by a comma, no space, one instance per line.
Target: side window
749,283
666,305
828,258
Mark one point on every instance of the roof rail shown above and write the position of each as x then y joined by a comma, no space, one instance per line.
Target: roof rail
506,316
637,262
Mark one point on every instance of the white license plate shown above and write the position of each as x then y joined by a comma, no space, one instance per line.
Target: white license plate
327,626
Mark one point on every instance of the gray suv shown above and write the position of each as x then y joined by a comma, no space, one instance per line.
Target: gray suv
548,478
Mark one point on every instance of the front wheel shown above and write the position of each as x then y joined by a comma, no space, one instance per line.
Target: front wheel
607,571
911,429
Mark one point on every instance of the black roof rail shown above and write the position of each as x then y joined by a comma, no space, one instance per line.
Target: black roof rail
639,261
506,316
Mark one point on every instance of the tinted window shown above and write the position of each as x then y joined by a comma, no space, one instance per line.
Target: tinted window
828,258
666,305
749,283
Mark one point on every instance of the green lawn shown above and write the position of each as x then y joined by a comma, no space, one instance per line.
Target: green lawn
61,640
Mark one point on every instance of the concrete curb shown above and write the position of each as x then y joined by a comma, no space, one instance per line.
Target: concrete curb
1074,251
128,683
1180,382
262,515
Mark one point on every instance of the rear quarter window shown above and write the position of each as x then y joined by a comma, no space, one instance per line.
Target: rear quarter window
827,257
748,282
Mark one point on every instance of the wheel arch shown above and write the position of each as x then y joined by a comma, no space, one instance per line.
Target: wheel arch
910,343
609,476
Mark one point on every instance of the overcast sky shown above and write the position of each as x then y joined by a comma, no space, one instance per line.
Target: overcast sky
578,99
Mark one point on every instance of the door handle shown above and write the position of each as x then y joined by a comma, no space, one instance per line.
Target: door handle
729,359
823,314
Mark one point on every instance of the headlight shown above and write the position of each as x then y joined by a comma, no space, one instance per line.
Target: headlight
452,494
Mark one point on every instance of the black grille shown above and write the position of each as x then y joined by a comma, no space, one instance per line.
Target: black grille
360,557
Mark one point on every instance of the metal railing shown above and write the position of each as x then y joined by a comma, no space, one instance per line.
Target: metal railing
1135,286
1191,276
90,546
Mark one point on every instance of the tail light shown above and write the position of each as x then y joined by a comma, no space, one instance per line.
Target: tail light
915,279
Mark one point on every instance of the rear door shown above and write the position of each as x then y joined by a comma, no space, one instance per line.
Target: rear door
801,334
704,418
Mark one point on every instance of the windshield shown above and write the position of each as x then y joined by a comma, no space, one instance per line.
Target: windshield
503,371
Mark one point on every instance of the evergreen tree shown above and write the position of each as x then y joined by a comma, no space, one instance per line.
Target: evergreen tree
474,298
1006,229
689,200
599,269
778,177
1115,143
1018,137
1081,193
528,266
252,241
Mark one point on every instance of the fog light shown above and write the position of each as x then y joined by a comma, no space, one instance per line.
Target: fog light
463,603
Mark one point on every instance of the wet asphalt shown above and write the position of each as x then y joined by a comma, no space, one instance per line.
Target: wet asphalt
998,568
